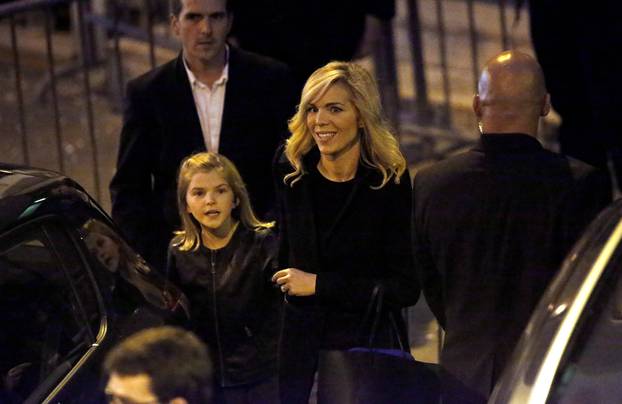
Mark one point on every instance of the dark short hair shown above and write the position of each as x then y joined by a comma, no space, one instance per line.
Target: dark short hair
177,5
175,360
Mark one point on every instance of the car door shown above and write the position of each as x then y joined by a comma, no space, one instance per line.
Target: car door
570,350
591,369
50,312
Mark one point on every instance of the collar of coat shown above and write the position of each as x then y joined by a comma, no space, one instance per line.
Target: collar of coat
499,143
364,173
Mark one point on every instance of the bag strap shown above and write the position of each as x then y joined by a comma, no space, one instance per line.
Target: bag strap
374,308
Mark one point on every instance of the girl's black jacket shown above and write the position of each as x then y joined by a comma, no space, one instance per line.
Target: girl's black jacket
234,307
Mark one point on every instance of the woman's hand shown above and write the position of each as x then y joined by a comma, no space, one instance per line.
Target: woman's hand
295,282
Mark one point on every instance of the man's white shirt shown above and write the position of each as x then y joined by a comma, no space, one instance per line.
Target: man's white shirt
210,104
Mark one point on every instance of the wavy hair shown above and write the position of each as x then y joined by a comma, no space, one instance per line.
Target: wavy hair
189,237
379,147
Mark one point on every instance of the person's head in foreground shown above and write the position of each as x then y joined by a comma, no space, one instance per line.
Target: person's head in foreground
159,365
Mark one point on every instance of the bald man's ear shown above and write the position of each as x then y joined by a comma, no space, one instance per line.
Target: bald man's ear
546,105
477,107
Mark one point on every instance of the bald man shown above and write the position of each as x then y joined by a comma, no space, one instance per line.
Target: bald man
492,225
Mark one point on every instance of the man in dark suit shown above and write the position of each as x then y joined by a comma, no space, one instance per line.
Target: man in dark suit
213,97
492,225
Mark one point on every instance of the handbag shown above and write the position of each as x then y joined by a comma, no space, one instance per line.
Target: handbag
368,375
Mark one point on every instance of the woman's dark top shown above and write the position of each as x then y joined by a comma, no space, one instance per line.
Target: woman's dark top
234,306
353,237
329,197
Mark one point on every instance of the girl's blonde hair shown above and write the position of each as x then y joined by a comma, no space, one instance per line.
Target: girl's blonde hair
379,147
189,237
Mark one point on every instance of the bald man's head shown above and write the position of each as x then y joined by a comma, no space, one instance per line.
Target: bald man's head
512,77
511,90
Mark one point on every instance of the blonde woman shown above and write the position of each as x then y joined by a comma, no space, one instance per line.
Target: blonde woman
344,199
223,258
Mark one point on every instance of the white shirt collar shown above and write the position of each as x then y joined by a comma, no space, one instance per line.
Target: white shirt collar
222,80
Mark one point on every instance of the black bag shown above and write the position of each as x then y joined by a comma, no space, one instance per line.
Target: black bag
367,375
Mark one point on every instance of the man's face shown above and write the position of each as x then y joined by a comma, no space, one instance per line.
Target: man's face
130,389
203,26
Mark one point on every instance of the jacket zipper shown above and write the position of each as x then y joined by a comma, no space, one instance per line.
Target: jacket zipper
215,309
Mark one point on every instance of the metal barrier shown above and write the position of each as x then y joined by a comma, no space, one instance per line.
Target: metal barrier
418,62
92,30
11,11
100,25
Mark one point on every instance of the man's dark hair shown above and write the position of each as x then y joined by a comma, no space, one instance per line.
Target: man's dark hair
177,5
175,360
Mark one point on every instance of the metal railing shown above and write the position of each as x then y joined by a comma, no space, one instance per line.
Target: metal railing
12,11
92,30
418,59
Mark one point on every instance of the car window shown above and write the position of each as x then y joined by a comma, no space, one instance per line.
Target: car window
592,369
115,256
44,327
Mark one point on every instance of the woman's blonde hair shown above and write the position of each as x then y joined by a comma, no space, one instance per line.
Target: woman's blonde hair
379,147
189,237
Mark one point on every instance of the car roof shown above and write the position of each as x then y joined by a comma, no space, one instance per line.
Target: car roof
23,189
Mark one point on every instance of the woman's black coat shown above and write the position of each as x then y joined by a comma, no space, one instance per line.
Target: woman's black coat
369,243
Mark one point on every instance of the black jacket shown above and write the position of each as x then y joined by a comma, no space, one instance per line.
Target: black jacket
368,243
161,127
491,227
234,306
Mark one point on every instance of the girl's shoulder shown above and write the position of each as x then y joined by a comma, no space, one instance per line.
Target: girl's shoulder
178,238
262,237
174,243
262,233
176,246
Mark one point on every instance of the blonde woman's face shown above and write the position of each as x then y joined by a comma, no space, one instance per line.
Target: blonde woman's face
210,200
333,121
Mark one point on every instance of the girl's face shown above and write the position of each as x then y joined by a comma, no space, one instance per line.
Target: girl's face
210,200
105,249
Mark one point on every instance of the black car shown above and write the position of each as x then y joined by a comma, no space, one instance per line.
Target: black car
70,288
571,350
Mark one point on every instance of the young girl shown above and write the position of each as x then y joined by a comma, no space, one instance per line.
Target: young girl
223,258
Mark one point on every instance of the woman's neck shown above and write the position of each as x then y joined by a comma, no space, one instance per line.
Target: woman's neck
216,240
342,168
